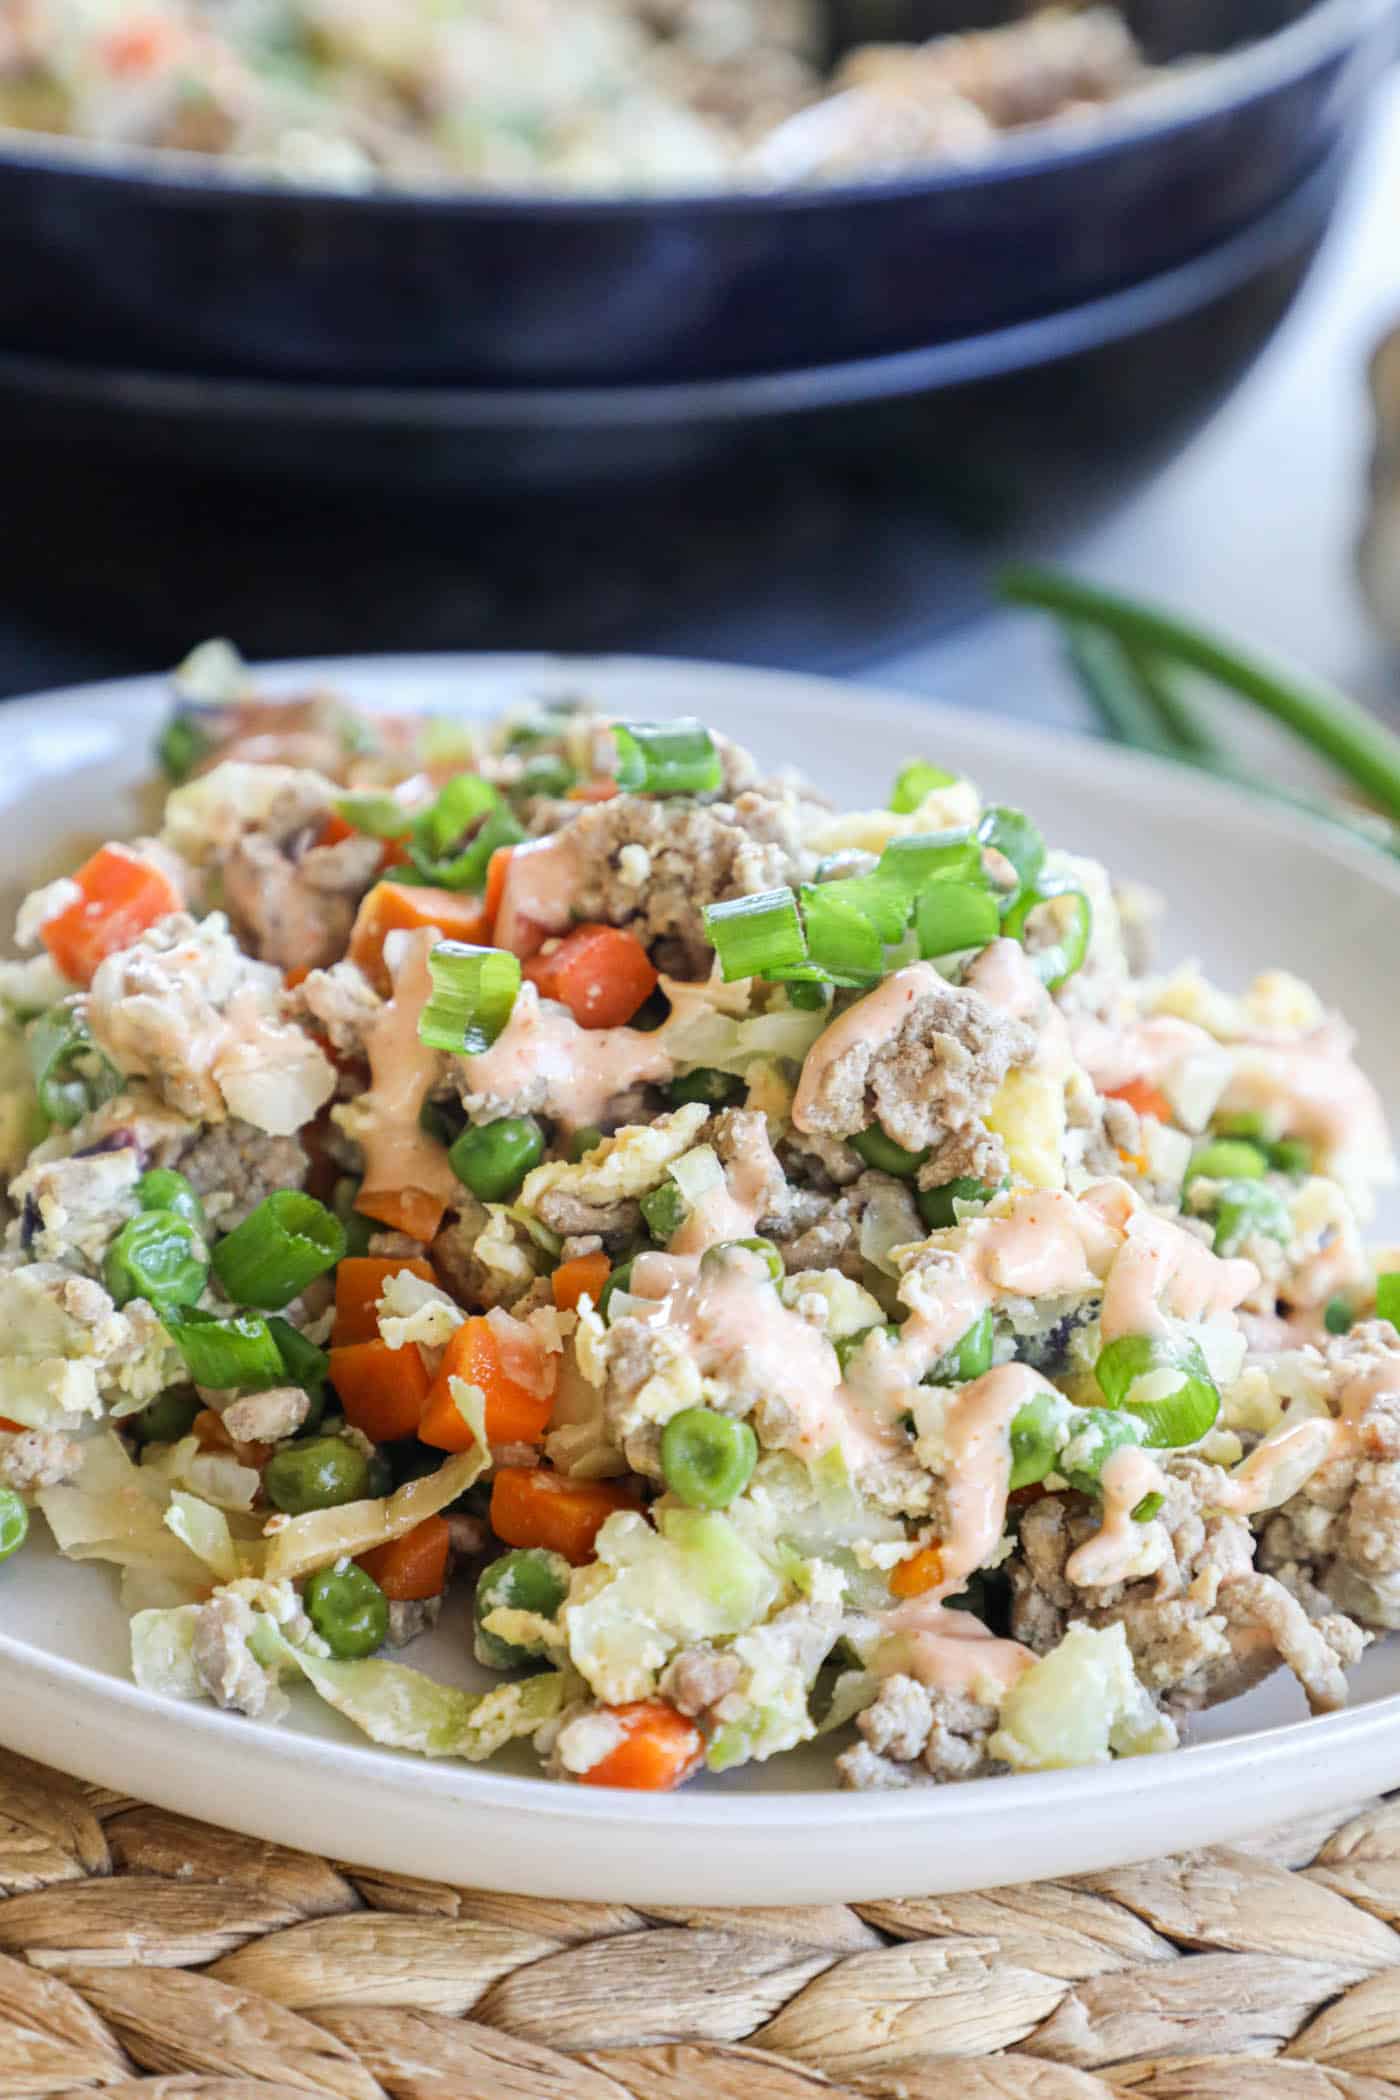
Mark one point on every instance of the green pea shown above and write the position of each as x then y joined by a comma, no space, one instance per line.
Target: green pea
167,1418
935,1206
665,1211
972,1355
849,1346
1095,1434
530,1579
1247,1207
156,1256
320,1472
164,1189
1227,1159
617,1281
717,1256
583,1142
1339,1317
707,1458
1035,1440
1291,1156
1247,1124
716,1089
14,1523
494,1158
349,1611
880,1151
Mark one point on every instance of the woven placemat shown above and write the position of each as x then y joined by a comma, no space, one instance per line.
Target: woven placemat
142,1954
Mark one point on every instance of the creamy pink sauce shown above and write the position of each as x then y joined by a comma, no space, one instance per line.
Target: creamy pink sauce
871,1022
581,1068
542,879
1153,1049
1106,1557
521,1355
1003,975
1161,1270
1313,1089
398,1154
1279,1466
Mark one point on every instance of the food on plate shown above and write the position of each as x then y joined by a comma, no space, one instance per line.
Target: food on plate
784,1271
545,94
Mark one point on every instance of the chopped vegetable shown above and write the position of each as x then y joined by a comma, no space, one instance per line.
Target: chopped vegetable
394,907
281,1247
121,895
473,993
348,1609
531,1506
359,1285
602,974
514,1414
239,1351
915,782
529,1581
71,1076
416,1212
667,758
156,1256
658,1748
1388,1297
14,1523
1145,1098
922,1571
1166,1384
707,1458
492,1159
164,1189
383,1391
414,1565
319,1473
584,1276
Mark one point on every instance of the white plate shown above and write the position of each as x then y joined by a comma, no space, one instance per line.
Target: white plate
1250,884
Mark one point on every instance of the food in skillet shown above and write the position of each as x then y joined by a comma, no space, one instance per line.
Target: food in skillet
543,94
787,1266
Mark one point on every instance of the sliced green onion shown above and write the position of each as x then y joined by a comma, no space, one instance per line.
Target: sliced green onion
842,939
584,1140
281,1247
182,745
972,1355
881,1152
71,1076
380,816
912,783
305,1364
1143,1512
473,994
806,997
618,1280
667,758
1226,1159
165,1419
931,856
462,803
466,805
717,1089
542,725
1338,1318
14,1521
935,1206
665,1211
1181,1401
1247,1207
1057,962
1292,1156
156,1256
1388,1297
1035,1439
545,774
953,915
1095,1434
1011,833
225,1353
758,936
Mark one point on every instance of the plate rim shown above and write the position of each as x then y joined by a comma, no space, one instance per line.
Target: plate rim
1266,1753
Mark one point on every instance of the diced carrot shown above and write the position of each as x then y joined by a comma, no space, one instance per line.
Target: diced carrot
297,975
413,1566
1147,1099
922,1571
496,870
137,47
599,972
1133,1162
382,1390
600,790
394,907
586,1272
121,896
514,1414
531,1506
414,1211
393,853
208,1428
658,1749
6,1423
359,1285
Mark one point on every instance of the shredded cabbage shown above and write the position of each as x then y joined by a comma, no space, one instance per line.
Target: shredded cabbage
1078,1705
324,1535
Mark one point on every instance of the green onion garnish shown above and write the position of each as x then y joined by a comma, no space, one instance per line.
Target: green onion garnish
71,1076
842,940
1143,1512
1181,1401
953,915
378,815
281,1247
665,1211
1388,1297
473,993
913,782
1016,839
1058,960
223,1353
667,758
470,817
880,1151
1247,1207
758,936
304,1363
953,856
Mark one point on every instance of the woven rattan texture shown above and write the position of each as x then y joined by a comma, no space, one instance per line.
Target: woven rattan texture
143,1955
